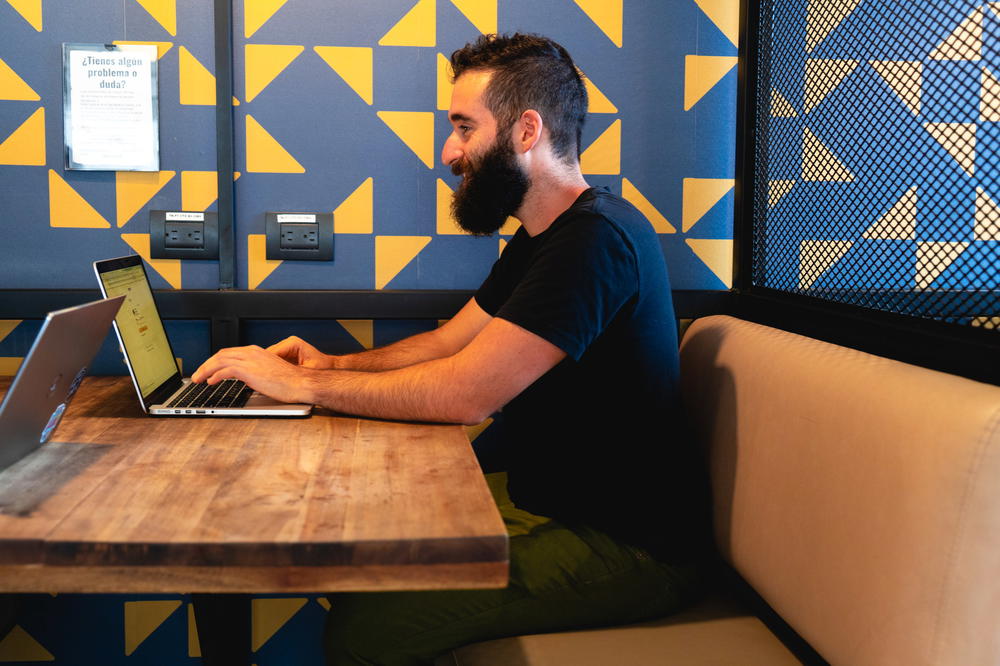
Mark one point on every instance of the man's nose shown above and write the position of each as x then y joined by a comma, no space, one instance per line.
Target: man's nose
450,153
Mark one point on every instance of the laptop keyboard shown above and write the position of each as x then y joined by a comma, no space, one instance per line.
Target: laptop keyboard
227,393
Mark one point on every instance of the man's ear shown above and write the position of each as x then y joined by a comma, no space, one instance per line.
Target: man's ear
527,131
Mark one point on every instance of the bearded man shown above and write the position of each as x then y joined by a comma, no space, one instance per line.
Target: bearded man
572,335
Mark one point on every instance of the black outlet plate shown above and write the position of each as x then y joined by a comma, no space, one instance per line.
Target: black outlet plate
299,236
183,234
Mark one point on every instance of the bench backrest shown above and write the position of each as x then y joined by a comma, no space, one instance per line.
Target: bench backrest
859,496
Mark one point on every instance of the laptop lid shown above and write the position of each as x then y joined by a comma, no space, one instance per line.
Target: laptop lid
50,375
148,354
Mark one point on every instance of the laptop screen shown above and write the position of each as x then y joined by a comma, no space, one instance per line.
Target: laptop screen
140,328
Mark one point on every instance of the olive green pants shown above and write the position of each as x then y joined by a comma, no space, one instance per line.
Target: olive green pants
560,578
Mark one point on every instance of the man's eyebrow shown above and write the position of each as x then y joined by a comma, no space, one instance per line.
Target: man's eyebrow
459,118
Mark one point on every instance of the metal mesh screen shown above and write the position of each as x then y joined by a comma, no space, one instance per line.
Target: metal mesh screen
877,157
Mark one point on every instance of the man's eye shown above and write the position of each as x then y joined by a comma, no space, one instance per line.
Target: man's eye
464,129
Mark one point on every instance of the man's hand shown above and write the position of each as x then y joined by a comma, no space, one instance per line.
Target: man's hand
296,350
261,370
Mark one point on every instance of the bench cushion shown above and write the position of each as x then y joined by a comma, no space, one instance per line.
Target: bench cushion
714,632
857,495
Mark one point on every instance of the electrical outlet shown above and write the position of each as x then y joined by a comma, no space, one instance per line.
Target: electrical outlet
190,235
297,236
183,234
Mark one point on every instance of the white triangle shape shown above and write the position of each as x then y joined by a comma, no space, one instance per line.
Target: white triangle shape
934,258
989,98
906,79
899,222
965,42
823,17
776,191
822,76
987,217
959,139
819,164
816,256
781,107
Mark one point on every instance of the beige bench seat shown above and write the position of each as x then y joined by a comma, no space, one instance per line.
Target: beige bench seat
859,496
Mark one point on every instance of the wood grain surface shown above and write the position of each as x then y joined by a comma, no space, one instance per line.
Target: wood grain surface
120,501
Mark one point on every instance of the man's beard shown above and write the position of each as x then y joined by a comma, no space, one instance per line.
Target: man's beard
491,190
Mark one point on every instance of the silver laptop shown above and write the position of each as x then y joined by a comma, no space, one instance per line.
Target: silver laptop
50,375
151,361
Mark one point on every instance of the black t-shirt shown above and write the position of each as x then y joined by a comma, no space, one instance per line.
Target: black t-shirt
600,438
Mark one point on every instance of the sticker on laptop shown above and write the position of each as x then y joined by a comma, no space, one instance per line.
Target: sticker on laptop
58,413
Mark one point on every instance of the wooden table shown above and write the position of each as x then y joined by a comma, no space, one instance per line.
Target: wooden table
122,502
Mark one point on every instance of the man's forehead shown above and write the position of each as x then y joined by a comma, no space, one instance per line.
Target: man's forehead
466,96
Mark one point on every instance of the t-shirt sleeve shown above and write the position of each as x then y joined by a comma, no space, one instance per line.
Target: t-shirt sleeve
577,282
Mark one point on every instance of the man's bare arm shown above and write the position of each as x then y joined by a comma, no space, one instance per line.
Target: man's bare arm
444,341
465,387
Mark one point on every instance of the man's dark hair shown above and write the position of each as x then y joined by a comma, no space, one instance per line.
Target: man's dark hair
529,72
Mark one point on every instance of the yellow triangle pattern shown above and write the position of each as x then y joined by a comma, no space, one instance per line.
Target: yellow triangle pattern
134,189
607,15
822,76
362,330
816,256
481,13
823,17
354,64
987,219
6,326
264,62
264,154
142,618
906,79
197,84
776,191
819,164
69,209
164,12
393,254
161,47
194,645
604,156
258,265
444,84
899,222
700,195
417,28
26,145
725,14
510,227
19,645
632,194
934,258
446,224
258,12
13,87
701,73
717,254
356,214
475,431
965,42
30,11
781,107
959,139
324,602
989,99
416,129
270,615
597,102
168,269
9,366
199,189
502,245
986,322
